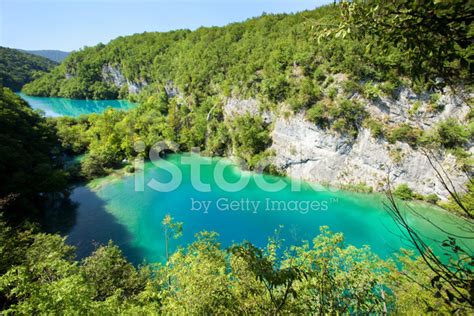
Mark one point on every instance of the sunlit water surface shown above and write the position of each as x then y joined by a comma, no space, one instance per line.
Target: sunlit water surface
113,209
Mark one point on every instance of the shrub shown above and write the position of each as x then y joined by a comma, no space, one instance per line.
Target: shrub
306,93
249,135
318,114
452,134
332,93
403,192
466,199
275,88
347,114
320,73
360,187
389,88
371,91
376,128
351,87
405,133
414,109
431,198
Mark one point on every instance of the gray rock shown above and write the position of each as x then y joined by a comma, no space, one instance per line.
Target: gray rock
112,74
310,153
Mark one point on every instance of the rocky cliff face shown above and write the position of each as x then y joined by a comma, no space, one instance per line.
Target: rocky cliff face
310,153
112,74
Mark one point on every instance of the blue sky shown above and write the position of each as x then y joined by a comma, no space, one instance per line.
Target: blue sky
71,24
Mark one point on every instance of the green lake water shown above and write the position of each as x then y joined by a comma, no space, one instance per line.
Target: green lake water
113,209
54,107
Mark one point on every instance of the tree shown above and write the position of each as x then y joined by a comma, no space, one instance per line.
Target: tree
109,273
28,157
435,36
249,135
171,229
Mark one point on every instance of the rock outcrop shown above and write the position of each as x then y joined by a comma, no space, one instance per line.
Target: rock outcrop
308,152
113,75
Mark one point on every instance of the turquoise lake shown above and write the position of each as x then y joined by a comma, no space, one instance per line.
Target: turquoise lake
54,107
113,209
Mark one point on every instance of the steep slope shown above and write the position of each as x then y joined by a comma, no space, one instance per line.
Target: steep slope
28,146
18,68
54,55
315,153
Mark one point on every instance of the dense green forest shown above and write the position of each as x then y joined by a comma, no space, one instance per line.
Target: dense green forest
277,59
280,57
18,68
28,147
276,56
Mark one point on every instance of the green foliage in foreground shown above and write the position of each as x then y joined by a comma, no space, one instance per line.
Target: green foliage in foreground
18,68
28,146
38,275
435,36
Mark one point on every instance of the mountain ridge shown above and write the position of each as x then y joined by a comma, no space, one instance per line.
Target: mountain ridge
52,54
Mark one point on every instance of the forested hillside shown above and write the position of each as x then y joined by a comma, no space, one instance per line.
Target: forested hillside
28,148
18,68
277,56
281,57
38,272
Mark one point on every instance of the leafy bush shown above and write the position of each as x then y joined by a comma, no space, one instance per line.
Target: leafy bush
360,187
347,115
403,192
249,135
405,133
372,91
351,87
431,198
389,88
434,105
318,114
452,134
376,128
414,109
466,199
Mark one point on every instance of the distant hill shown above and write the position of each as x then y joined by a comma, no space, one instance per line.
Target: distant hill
54,55
18,67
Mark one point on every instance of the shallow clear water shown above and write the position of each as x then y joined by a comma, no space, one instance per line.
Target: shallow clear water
54,107
114,210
